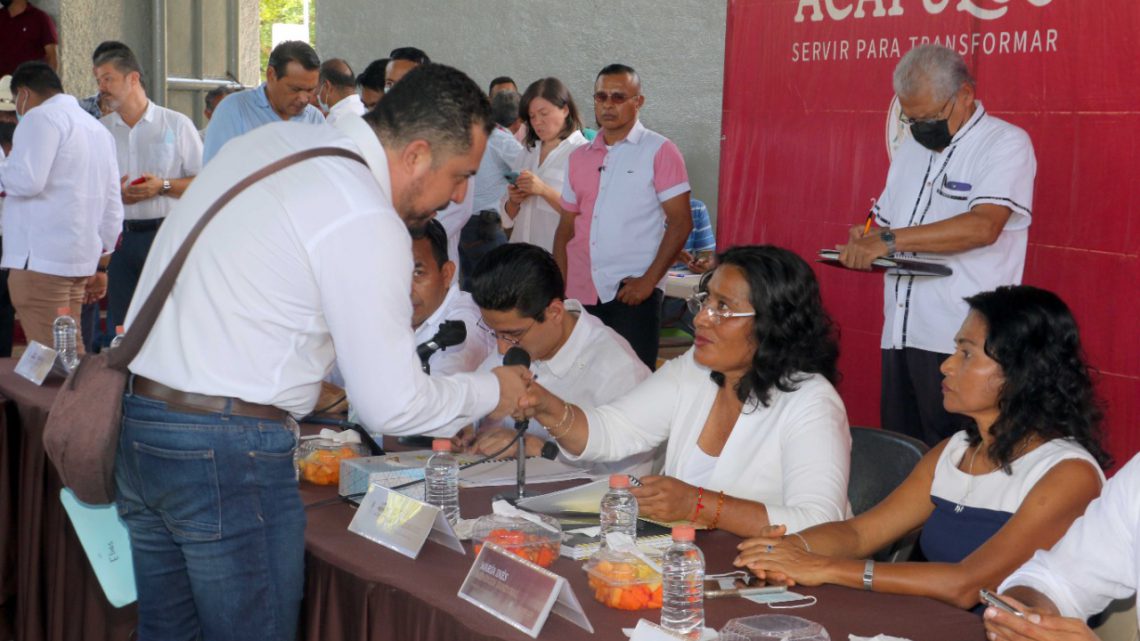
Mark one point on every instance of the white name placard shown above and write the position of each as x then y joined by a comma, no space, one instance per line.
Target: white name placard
402,523
649,631
520,593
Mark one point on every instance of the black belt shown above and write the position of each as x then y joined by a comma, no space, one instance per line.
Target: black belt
151,224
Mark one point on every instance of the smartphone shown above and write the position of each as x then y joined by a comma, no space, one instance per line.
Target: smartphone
996,601
138,181
512,177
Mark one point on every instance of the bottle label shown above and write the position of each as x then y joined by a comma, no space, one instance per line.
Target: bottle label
402,523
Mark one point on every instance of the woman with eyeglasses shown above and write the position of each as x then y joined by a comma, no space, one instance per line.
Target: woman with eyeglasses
989,496
755,432
530,208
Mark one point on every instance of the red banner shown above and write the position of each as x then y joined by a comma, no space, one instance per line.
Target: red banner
806,100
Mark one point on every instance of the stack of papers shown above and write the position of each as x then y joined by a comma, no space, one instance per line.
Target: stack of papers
505,472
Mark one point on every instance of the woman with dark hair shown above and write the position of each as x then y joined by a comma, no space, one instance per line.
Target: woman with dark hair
531,204
989,496
755,432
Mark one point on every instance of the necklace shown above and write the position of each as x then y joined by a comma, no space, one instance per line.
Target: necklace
969,482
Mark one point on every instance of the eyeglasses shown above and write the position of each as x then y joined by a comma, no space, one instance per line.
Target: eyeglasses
615,97
512,337
908,121
700,303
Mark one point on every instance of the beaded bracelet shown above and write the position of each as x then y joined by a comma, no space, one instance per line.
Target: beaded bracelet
700,503
565,424
719,507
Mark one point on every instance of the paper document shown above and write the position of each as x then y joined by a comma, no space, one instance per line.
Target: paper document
919,265
505,472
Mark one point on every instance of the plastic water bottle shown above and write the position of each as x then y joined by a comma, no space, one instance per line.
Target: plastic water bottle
683,586
65,336
619,509
442,479
119,333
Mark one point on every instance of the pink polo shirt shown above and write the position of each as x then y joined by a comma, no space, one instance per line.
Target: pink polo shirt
617,195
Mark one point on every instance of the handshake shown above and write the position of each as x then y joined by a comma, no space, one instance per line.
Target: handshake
517,398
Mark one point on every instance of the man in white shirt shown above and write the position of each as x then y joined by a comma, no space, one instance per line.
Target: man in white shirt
961,187
435,299
315,256
518,288
336,90
63,212
1095,563
159,153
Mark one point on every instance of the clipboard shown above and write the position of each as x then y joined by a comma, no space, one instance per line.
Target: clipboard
895,265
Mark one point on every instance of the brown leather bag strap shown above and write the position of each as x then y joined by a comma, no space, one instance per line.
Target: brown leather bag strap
121,356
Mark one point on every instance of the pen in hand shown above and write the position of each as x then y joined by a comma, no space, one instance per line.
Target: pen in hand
870,219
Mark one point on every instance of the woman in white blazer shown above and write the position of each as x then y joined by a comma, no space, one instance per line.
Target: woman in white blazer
531,208
755,431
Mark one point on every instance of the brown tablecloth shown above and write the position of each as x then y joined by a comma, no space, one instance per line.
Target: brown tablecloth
355,589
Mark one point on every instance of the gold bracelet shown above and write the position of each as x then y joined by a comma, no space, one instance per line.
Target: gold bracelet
565,424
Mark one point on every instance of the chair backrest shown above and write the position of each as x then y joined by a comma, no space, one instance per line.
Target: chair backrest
880,461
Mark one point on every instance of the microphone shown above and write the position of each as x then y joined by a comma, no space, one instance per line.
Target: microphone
519,356
450,334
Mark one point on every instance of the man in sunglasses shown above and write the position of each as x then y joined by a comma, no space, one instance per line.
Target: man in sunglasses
626,215
960,187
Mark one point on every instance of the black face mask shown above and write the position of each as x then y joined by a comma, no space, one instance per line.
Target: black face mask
933,134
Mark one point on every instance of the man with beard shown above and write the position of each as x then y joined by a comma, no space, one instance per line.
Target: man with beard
159,153
309,265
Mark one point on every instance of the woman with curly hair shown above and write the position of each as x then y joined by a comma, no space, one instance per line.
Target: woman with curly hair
989,496
755,432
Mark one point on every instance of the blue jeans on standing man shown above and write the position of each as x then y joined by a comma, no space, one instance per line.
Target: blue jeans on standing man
216,523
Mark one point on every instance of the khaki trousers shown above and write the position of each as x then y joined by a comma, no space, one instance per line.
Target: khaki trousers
37,298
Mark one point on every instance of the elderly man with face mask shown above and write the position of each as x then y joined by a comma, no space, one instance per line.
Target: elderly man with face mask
291,79
960,187
159,153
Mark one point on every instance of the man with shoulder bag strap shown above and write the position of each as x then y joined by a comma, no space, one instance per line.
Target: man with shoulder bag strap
315,255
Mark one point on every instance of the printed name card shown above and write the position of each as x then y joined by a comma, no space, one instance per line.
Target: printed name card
36,363
519,592
402,523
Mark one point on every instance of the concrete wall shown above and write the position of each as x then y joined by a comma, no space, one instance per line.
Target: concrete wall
83,24
676,46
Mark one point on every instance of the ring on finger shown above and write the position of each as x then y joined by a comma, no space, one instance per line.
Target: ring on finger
768,549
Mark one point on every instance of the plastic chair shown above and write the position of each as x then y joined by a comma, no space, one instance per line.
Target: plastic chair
880,461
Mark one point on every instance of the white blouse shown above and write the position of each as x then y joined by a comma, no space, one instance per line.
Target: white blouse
537,221
794,456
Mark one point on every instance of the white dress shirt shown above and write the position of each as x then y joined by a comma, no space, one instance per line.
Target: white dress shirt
594,367
453,218
537,221
162,143
794,456
467,356
1098,559
351,104
64,207
311,257
989,162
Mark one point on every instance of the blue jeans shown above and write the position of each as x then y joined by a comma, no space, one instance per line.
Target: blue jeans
216,523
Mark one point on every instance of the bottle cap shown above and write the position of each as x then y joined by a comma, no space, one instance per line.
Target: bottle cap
684,533
441,445
619,480
63,311
119,330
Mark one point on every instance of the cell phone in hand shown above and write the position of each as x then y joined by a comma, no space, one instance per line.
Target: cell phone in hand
996,601
138,181
512,177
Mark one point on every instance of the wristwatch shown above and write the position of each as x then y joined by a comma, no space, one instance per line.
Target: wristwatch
888,237
166,187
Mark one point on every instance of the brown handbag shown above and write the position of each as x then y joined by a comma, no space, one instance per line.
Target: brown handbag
82,429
